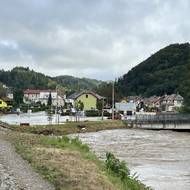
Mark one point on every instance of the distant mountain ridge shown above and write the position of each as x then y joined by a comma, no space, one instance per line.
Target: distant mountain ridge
165,72
75,83
23,78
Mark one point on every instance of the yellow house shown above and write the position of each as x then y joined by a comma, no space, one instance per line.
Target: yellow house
124,101
3,104
88,98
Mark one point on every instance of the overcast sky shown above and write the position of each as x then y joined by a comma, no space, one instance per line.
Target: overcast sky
100,39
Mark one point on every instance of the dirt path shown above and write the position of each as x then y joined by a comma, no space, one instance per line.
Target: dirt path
15,173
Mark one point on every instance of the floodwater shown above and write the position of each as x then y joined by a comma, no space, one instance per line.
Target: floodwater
40,118
160,158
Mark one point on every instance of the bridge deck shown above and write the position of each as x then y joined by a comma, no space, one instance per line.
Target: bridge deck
161,121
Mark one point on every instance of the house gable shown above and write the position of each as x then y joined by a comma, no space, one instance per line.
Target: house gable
89,100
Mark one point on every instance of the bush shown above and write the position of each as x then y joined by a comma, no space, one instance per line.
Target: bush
77,143
96,113
92,113
118,167
107,114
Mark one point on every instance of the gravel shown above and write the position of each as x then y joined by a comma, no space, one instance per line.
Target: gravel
16,173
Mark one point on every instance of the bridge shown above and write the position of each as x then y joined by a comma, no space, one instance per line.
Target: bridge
161,121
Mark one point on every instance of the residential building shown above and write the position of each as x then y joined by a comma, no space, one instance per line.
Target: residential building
171,103
152,103
9,93
33,95
3,104
132,99
127,108
8,101
88,98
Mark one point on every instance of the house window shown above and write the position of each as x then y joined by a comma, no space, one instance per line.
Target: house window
86,95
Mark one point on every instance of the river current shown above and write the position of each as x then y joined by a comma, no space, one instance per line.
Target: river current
161,159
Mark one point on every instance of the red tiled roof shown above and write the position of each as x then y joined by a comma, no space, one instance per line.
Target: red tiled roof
37,91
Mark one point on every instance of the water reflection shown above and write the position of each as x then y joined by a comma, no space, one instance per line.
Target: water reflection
161,158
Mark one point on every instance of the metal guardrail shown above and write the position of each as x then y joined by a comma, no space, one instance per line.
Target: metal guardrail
162,118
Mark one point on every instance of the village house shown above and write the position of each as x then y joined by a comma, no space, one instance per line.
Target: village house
88,98
152,103
9,93
3,104
8,101
171,103
128,108
132,99
6,97
33,95
166,103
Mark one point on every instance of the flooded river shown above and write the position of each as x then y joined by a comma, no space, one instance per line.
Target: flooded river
160,158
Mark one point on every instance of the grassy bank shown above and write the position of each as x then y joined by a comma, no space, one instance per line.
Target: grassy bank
69,164
71,127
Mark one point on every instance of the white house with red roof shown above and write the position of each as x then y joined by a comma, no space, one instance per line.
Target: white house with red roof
36,95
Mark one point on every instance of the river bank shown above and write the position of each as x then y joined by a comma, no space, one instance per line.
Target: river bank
71,127
68,164
160,158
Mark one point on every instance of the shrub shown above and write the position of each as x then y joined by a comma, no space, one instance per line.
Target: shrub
77,143
92,113
118,167
107,114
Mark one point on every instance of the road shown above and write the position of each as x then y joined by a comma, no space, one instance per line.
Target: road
16,173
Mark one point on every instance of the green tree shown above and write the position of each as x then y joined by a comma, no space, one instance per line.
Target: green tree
2,91
79,105
99,104
49,103
18,96
165,72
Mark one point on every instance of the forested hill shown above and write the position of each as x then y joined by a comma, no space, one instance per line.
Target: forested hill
167,71
23,78
75,83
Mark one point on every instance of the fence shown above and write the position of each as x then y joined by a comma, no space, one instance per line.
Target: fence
162,118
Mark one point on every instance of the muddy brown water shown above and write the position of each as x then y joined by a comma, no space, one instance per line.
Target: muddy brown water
160,158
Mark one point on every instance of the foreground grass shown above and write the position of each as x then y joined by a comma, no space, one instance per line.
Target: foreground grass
71,127
69,164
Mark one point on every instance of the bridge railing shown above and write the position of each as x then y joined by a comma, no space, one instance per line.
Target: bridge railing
162,118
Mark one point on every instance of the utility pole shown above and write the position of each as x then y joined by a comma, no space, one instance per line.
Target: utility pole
103,108
113,99
56,107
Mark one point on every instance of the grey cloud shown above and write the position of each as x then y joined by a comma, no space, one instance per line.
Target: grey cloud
99,39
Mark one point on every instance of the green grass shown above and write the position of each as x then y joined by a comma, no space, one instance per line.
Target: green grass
120,177
68,163
41,162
